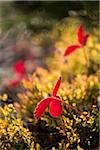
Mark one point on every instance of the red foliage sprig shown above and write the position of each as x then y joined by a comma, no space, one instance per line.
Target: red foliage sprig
54,103
19,70
82,38
19,67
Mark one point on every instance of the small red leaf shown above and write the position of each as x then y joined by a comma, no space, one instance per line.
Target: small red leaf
56,87
55,108
39,110
71,49
85,39
19,67
13,83
82,37
80,34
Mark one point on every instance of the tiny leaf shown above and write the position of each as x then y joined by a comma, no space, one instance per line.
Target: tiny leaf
19,67
80,34
71,49
56,87
55,108
39,110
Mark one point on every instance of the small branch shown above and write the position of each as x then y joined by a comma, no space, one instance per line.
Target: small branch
78,111
72,107
64,130
86,60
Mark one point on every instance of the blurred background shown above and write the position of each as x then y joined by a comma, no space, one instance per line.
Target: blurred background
30,31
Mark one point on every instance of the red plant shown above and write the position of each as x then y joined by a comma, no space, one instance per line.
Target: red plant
82,40
20,73
19,67
54,103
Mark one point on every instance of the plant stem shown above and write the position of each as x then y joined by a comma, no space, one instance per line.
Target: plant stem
72,107
70,72
66,61
78,111
64,129
86,60
62,124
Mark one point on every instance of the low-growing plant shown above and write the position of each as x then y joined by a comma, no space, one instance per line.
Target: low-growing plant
67,65
13,134
81,92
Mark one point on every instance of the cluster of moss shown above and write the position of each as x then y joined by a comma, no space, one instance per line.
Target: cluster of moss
71,131
81,92
13,134
78,136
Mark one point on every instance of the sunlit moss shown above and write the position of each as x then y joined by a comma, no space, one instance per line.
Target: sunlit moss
4,97
13,134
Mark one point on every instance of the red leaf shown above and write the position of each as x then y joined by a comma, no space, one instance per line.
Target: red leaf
80,34
85,39
82,37
39,110
56,87
14,83
71,49
19,67
55,108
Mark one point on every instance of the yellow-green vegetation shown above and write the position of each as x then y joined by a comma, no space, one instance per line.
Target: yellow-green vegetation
81,92
68,35
13,134
71,131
